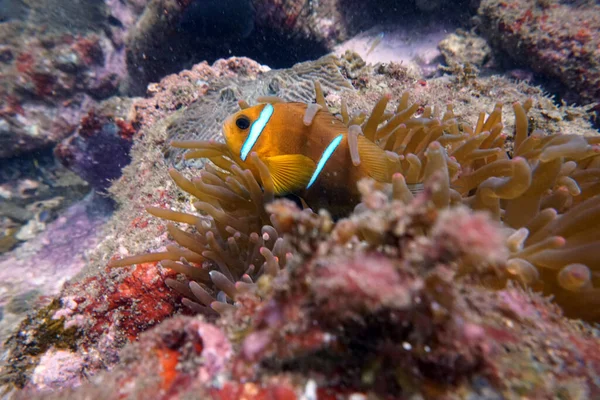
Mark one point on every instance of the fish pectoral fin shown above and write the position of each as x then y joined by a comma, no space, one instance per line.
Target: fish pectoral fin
374,160
290,172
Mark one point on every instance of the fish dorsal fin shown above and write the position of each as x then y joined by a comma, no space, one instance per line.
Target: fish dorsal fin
324,119
290,172
374,160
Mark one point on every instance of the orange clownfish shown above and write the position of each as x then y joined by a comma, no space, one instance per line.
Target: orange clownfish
306,150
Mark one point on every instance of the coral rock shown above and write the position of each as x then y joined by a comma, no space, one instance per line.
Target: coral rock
59,61
99,148
555,39
58,369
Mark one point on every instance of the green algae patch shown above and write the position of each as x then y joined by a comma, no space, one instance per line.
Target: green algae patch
37,333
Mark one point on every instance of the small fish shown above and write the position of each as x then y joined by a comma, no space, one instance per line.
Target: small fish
305,148
375,43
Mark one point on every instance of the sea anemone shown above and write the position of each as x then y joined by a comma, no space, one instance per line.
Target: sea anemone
543,190
232,242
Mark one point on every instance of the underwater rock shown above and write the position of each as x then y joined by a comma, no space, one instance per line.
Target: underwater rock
557,40
277,33
33,191
461,48
122,18
146,45
24,128
99,148
45,262
57,62
57,17
413,43
206,24
322,25
58,369
271,32
12,9
179,356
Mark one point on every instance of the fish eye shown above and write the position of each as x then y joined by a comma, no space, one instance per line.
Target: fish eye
242,122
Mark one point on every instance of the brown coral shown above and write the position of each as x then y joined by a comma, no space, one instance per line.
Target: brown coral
543,188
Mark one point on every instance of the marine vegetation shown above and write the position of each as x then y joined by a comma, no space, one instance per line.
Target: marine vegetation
543,189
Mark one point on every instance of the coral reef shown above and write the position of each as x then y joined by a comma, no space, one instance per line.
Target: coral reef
416,281
280,33
208,132
541,187
397,316
464,48
100,313
274,33
404,313
57,61
555,39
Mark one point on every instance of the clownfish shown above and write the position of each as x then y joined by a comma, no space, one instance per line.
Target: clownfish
306,149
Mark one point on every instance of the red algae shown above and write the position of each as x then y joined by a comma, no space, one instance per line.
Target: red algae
169,359
131,305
